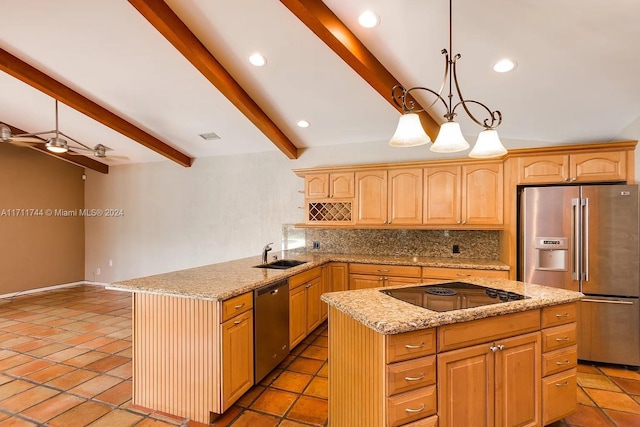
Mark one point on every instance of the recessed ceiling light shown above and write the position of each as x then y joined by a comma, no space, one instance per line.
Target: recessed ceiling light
258,59
504,66
369,19
303,124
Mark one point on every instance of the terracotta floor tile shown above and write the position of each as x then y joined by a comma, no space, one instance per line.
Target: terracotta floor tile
18,359
583,398
287,361
321,341
274,402
315,352
169,418
613,400
82,338
14,387
291,381
52,407
224,420
5,379
249,397
72,379
127,352
305,365
624,419
588,416
47,374
107,363
117,395
289,423
115,346
16,422
150,422
21,401
596,381
309,410
318,387
86,358
118,418
96,343
66,354
122,371
31,345
254,419
48,350
4,416
324,371
80,416
270,377
4,354
628,385
621,373
299,349
95,386
30,367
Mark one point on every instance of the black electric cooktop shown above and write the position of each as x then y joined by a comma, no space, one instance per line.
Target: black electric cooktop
452,296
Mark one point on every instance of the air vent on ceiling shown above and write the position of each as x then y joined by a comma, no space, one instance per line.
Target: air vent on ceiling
209,136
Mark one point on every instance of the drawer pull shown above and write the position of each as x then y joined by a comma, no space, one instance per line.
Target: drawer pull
463,275
564,384
414,347
562,315
566,362
237,322
421,377
239,306
413,411
383,271
562,339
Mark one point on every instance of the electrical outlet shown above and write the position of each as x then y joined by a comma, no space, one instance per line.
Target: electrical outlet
316,245
98,271
446,233
456,249
110,263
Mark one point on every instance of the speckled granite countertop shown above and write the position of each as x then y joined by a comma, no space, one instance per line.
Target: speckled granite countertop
389,315
228,279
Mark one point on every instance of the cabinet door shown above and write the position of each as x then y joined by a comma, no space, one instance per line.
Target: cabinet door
543,169
590,167
517,379
482,194
466,387
371,188
394,281
559,396
237,357
338,277
341,185
313,291
325,286
405,196
441,195
358,281
316,186
297,315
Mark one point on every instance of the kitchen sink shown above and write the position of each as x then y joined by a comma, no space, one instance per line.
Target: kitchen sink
281,264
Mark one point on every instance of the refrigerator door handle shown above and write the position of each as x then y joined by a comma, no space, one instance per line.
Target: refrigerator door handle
585,242
575,238
604,301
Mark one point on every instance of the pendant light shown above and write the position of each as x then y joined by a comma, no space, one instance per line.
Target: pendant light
410,133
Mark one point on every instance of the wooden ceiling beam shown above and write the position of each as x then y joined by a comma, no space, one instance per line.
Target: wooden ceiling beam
335,34
160,15
78,160
37,79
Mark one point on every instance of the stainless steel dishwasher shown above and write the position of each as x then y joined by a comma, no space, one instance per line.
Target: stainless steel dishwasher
271,327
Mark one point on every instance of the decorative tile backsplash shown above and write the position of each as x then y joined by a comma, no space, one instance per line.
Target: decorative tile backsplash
480,244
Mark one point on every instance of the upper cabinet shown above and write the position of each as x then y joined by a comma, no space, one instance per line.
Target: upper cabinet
371,197
569,168
336,185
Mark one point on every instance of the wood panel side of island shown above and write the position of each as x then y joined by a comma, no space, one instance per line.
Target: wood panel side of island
176,355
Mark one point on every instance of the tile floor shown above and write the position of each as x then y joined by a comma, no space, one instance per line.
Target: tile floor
65,360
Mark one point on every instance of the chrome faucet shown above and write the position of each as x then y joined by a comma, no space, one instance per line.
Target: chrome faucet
266,249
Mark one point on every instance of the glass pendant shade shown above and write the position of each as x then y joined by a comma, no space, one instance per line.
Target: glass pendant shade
488,145
409,132
57,145
450,139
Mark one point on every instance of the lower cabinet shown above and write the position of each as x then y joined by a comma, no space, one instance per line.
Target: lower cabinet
305,307
364,276
441,273
237,358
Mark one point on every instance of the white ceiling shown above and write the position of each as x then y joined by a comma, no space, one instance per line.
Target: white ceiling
576,81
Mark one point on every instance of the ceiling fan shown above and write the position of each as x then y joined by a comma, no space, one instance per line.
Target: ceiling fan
55,143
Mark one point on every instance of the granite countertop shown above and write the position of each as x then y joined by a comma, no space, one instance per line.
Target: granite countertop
228,279
388,315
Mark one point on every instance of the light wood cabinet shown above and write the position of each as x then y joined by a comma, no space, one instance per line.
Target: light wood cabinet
338,276
405,196
441,273
365,276
305,305
579,167
334,185
237,358
371,197
442,202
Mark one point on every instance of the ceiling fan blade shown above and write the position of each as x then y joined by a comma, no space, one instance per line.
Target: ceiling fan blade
25,142
27,139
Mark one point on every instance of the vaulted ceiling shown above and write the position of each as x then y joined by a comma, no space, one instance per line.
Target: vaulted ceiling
147,77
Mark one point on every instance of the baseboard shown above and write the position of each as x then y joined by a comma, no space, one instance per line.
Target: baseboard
48,288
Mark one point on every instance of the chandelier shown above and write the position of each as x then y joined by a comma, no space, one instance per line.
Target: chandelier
410,133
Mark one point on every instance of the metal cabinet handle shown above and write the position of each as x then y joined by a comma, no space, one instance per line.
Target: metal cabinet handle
237,322
564,384
493,348
562,315
380,279
500,347
562,339
566,362
308,285
413,411
463,275
239,306
421,377
413,347
383,270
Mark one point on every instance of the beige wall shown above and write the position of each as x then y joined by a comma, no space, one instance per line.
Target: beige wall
39,251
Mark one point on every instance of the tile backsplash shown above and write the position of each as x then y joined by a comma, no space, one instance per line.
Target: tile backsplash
479,244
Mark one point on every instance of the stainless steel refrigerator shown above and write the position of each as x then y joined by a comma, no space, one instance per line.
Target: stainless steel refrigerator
585,238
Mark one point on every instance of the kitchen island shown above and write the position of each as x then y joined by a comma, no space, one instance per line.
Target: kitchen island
395,363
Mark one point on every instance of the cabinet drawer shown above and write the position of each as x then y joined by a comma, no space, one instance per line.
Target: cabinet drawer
558,337
559,396
236,305
304,277
425,422
411,406
559,360
410,345
558,315
386,270
410,375
461,273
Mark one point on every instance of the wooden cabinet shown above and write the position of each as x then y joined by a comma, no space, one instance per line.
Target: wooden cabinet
338,276
305,306
464,195
371,197
559,362
579,167
329,185
364,276
237,358
441,273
